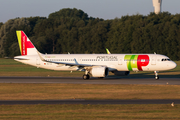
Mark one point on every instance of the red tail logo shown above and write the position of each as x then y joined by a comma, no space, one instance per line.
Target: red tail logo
24,42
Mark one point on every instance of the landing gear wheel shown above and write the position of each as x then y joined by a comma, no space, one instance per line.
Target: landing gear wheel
157,77
85,77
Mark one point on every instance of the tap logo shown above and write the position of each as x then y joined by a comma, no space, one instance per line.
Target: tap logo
136,61
24,42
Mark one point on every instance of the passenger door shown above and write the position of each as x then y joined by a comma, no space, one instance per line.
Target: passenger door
153,60
37,61
119,61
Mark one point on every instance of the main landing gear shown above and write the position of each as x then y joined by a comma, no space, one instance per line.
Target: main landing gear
156,75
86,76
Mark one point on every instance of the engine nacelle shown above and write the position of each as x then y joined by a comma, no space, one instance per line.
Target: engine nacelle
121,73
99,71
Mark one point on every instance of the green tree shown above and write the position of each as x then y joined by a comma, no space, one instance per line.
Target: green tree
71,30
1,24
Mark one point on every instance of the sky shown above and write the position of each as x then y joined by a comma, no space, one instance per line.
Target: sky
105,9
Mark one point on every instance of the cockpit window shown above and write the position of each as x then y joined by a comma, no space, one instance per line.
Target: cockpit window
166,59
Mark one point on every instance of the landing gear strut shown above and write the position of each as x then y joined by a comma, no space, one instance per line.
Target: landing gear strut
156,75
86,76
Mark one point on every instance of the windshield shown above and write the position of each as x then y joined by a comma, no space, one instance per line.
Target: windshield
166,59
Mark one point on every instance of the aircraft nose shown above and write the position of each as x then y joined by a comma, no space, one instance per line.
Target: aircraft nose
173,65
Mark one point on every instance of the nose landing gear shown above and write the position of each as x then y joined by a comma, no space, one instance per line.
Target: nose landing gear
156,75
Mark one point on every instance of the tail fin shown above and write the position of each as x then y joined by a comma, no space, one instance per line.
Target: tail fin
25,45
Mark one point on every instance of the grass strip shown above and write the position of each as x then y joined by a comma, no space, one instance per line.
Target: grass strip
16,91
89,112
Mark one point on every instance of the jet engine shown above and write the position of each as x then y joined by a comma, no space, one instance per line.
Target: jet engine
121,73
99,71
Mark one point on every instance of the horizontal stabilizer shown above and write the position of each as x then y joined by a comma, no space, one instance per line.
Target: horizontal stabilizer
21,58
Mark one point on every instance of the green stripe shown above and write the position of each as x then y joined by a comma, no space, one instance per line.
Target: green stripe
129,65
131,61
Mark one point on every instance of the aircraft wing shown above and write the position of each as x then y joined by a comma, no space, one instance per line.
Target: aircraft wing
67,64
84,66
70,64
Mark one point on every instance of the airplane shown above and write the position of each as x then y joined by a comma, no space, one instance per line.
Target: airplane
95,65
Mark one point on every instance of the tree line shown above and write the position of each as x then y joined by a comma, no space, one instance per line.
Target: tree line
72,30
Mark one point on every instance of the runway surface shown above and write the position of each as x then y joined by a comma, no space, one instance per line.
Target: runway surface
93,102
78,80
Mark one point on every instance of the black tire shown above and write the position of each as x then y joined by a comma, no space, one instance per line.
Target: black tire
157,77
86,77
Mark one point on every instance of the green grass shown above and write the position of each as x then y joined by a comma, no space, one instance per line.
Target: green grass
22,91
89,112
10,67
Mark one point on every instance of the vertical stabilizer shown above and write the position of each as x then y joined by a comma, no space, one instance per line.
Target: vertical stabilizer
25,45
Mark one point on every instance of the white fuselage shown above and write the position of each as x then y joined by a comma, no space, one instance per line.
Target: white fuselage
119,62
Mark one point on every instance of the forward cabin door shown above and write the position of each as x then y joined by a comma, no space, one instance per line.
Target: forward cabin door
120,61
37,61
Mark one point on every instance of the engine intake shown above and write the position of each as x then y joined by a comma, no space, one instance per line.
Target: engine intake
99,72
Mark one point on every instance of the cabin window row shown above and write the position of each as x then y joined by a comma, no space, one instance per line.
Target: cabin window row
82,59
140,60
99,60
60,60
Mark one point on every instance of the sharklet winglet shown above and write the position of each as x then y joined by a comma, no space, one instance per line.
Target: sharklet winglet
108,52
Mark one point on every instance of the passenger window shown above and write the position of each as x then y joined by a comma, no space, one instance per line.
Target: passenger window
142,60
